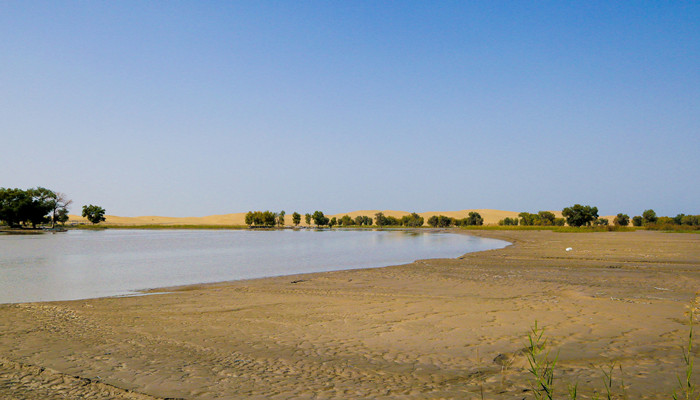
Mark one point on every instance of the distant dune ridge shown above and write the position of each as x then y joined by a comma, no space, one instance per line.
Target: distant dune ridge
491,217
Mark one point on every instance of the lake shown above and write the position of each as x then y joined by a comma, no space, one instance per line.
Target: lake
81,264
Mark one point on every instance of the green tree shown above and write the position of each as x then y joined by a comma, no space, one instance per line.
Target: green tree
333,222
649,217
32,206
296,218
474,218
307,218
94,214
346,220
637,220
508,222
380,219
578,215
12,202
621,220
249,218
433,221
59,214
528,219
601,222
546,218
320,219
678,219
413,220
445,222
280,218
440,221
392,221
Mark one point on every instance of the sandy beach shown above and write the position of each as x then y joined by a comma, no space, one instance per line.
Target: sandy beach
432,329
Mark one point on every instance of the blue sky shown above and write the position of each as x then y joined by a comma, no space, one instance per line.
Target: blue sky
196,108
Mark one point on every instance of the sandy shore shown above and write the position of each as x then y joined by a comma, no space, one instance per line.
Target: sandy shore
448,328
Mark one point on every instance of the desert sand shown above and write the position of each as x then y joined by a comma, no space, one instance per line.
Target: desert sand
491,217
432,329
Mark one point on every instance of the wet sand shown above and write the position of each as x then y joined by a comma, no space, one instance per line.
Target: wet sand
448,328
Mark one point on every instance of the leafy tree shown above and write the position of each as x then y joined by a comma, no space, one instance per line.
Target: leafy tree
60,208
61,216
440,221
320,219
363,220
508,222
445,222
621,220
559,221
280,218
546,218
475,218
380,219
528,219
12,201
269,218
578,215
692,220
31,206
678,219
261,218
649,217
392,221
346,220
333,222
637,220
94,214
249,218
307,218
433,221
296,218
413,220
601,221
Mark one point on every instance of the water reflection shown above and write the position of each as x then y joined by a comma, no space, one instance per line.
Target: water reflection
84,264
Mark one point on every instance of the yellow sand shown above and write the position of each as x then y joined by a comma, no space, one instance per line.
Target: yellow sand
491,217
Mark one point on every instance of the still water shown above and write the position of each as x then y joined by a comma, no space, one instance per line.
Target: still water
85,264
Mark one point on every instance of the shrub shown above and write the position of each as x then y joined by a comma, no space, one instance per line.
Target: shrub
649,216
621,220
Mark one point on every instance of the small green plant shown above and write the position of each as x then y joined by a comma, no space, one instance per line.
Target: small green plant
687,388
541,367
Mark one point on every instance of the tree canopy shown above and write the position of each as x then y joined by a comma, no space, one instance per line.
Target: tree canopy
94,214
319,218
261,218
578,215
296,218
32,206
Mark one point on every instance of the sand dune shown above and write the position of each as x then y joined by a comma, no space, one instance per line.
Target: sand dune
491,217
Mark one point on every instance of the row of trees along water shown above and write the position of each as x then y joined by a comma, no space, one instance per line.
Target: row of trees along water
578,215
271,219
40,206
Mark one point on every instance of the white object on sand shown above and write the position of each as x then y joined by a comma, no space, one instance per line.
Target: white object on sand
569,248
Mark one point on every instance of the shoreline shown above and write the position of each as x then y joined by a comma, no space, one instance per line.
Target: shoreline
432,328
247,268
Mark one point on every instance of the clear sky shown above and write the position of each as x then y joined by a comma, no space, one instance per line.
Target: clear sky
193,108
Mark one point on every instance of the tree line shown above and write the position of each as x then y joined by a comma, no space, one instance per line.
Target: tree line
579,215
40,206
270,219
32,207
